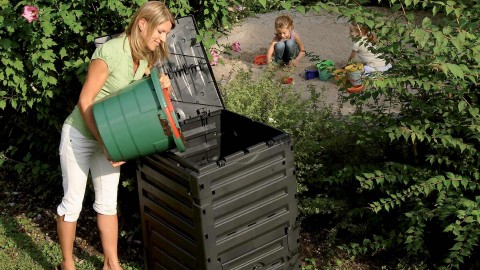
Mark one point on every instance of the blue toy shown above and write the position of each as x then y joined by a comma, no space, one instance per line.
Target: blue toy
311,74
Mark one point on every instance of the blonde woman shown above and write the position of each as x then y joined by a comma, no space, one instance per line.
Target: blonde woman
113,66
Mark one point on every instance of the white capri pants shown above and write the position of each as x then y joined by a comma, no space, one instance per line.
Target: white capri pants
78,156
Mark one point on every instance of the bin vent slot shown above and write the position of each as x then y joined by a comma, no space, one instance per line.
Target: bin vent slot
160,220
277,263
184,69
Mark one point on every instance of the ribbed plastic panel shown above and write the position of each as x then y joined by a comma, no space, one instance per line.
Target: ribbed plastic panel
226,203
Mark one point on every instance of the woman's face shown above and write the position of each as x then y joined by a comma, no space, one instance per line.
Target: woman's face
158,36
283,33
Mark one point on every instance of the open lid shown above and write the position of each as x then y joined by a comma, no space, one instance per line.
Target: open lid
195,91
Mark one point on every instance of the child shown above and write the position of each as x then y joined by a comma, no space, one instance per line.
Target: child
286,45
362,48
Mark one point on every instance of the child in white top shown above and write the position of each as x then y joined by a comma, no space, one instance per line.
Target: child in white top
286,45
362,48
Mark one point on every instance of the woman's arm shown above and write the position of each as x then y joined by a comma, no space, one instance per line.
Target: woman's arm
96,78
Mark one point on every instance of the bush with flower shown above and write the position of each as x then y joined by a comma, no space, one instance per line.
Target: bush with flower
45,49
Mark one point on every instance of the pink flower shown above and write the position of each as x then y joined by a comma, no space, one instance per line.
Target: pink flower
30,13
236,46
215,57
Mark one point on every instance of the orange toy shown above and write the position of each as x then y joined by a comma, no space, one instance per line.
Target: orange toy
260,60
355,89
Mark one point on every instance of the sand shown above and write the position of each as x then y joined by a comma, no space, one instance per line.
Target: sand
325,37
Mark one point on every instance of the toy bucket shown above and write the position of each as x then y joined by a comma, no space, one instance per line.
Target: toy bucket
340,76
354,73
311,74
325,68
138,120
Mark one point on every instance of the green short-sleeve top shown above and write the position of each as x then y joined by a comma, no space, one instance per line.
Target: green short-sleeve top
118,57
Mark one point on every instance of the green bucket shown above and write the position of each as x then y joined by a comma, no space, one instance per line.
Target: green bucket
138,120
325,69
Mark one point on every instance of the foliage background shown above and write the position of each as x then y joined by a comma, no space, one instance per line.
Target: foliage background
392,179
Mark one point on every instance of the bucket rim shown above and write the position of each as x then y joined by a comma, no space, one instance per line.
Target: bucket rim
167,107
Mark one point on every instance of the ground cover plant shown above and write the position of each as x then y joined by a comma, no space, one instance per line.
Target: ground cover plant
400,176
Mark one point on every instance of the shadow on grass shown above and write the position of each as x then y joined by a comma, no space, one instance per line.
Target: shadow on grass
34,237
17,233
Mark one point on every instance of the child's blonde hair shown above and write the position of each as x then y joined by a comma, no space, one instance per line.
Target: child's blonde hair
364,31
284,21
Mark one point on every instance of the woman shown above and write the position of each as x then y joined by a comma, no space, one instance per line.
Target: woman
114,65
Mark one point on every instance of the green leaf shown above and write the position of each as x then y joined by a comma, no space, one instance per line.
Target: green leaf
263,3
286,5
455,184
457,246
473,111
455,70
301,9
461,106
426,23
209,42
449,9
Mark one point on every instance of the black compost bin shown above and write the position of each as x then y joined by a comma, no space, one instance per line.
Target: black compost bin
228,201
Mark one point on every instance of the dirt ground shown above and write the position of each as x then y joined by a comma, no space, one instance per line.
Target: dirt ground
325,36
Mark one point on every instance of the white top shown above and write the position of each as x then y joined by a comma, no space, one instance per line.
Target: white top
362,47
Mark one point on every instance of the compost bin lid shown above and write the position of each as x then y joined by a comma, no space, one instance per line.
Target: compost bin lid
195,91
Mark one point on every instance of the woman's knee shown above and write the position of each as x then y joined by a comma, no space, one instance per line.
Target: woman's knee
69,210
108,209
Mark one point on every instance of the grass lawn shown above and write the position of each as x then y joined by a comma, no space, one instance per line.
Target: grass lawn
28,237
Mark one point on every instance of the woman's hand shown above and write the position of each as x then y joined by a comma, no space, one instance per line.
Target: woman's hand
116,163
109,158
165,83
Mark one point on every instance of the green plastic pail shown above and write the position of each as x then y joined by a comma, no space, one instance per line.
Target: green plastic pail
325,69
138,120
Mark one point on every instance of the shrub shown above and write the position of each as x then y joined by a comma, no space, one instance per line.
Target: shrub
43,64
423,185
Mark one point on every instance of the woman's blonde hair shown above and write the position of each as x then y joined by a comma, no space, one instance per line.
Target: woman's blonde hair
284,21
364,31
155,13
